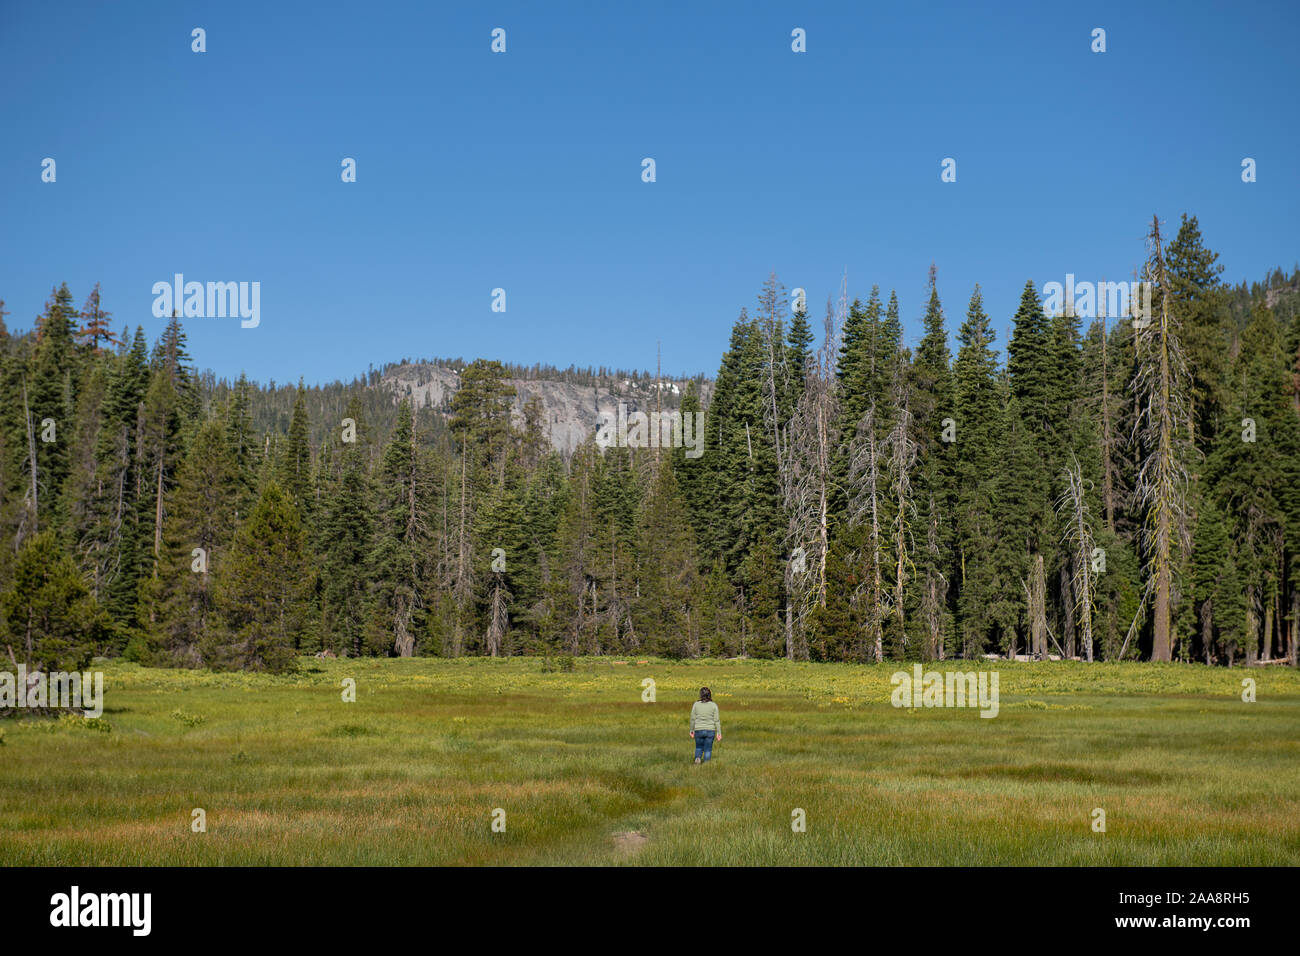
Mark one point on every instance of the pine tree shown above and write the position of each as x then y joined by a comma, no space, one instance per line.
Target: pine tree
95,327
200,526
1199,301
719,617
1019,501
120,539
1213,568
664,608
296,465
725,455
243,441
263,590
397,557
158,444
171,358
83,511
616,498
871,341
798,352
50,403
931,401
344,542
1246,471
1031,363
579,551
49,619
692,473
480,415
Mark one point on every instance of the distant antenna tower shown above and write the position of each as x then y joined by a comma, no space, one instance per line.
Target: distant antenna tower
842,307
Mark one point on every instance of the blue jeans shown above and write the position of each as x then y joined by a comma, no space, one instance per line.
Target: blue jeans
703,745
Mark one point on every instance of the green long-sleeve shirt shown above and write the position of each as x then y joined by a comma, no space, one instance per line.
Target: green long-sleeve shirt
704,716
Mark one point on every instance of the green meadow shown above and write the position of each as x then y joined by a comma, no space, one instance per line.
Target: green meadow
587,773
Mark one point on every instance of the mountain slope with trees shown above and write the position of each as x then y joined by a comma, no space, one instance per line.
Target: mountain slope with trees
1098,488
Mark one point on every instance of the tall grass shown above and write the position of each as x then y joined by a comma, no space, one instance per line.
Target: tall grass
288,773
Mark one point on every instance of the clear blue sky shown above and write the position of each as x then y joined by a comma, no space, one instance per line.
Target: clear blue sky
523,170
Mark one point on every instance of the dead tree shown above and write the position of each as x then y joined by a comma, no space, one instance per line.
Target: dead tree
498,614
902,452
864,508
805,477
935,593
1073,509
1160,390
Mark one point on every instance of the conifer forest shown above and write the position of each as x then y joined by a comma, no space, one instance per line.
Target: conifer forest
1056,483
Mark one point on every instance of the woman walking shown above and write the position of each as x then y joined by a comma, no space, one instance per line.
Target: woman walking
706,725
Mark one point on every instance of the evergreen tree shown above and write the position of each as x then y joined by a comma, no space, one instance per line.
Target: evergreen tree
1200,303
50,404
200,525
344,537
120,538
798,345
49,619
263,590
935,485
95,327
243,441
296,464
664,607
397,556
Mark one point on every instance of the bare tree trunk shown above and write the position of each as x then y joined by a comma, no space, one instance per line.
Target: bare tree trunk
1037,595
1267,648
902,458
1161,648
499,619
936,589
1068,628
1252,628
789,630
404,640
1294,643
1207,628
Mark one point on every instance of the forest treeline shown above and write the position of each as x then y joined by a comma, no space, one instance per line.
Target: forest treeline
1114,490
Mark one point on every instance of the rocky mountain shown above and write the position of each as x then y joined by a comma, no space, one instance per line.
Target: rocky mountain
571,410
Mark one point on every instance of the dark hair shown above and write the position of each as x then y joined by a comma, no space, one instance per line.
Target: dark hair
705,694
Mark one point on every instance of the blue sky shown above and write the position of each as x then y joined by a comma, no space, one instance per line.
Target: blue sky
523,170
